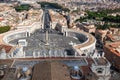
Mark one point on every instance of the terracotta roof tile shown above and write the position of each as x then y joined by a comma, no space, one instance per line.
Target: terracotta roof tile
6,47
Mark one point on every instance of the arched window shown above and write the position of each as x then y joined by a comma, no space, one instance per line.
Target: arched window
99,70
83,54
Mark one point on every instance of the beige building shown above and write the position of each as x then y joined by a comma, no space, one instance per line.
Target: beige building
111,34
57,20
112,53
100,34
87,27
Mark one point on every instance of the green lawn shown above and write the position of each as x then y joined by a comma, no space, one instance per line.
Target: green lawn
4,29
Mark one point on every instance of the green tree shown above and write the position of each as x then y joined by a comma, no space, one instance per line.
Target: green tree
22,7
53,5
4,29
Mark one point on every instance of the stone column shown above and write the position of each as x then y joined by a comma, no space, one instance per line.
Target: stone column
34,54
46,38
12,55
75,54
65,54
24,54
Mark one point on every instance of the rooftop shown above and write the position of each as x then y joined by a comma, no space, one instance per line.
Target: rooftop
114,47
50,71
102,31
10,74
7,48
101,61
58,18
6,63
4,7
53,69
114,37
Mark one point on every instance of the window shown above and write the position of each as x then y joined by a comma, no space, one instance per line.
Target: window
83,54
99,70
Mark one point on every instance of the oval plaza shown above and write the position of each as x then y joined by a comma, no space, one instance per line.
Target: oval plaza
41,39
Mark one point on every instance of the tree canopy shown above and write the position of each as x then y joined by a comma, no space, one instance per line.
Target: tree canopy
53,5
22,7
4,29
